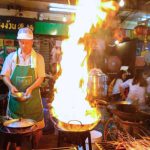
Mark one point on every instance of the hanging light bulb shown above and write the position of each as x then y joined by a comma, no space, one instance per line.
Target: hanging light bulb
64,19
121,3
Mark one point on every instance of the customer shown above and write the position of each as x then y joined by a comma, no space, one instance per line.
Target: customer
24,70
114,86
137,88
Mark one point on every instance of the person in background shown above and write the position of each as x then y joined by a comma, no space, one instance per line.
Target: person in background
24,71
137,88
56,56
55,67
114,86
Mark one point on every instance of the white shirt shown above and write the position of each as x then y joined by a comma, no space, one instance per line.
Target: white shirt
116,88
136,92
10,64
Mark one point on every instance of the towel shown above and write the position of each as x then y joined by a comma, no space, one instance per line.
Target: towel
33,57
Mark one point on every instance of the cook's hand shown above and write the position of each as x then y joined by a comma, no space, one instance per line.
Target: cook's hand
28,92
13,89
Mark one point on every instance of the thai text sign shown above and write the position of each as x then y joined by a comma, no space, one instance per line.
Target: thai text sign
12,24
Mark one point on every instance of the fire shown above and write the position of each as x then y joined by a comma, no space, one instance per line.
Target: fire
70,100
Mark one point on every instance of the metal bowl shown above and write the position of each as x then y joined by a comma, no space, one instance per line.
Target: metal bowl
20,96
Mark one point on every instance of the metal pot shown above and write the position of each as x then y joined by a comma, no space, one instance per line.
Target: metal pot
97,83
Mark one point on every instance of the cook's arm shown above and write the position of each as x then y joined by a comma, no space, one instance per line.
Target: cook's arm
11,87
36,84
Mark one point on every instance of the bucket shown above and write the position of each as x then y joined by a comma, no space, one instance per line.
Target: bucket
96,137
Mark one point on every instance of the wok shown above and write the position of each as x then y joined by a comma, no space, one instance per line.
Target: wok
17,126
125,106
19,123
73,125
128,111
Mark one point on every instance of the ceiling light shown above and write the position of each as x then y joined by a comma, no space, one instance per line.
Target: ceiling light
121,3
62,8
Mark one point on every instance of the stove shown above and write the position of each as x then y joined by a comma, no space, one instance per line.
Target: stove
75,138
16,136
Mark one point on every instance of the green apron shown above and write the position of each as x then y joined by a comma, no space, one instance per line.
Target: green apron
22,78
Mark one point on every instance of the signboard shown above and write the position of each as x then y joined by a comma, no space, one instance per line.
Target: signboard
12,24
51,28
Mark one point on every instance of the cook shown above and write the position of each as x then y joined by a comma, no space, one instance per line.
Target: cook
24,71
137,88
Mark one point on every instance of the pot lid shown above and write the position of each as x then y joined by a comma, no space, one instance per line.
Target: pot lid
19,123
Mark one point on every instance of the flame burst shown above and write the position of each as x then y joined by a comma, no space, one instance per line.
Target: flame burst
70,100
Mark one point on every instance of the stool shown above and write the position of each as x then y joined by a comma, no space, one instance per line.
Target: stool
77,138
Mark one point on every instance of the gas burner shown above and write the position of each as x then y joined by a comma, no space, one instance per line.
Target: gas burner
16,135
75,138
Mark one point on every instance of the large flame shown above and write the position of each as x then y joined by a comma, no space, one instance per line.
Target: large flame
70,100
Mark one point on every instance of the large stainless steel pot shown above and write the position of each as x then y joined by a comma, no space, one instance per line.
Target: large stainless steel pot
97,83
